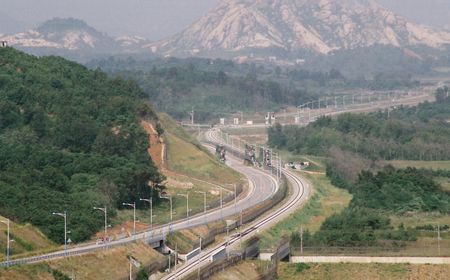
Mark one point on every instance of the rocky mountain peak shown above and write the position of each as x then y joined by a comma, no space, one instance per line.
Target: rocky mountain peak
320,26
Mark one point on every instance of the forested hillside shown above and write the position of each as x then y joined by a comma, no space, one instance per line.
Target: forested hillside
70,139
356,146
417,133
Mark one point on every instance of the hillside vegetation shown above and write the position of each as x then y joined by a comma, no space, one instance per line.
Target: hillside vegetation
185,155
70,139
417,133
383,196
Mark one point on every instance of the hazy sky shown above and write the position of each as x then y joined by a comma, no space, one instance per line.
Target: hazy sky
155,19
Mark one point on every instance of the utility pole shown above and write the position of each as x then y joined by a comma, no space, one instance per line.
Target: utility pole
131,268
64,215
235,195
271,160
439,239
240,233
301,239
133,205
176,259
192,116
7,222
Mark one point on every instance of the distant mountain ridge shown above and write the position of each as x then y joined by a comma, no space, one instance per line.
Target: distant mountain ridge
63,36
319,26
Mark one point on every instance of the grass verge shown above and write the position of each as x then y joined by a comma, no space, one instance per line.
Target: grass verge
361,271
326,201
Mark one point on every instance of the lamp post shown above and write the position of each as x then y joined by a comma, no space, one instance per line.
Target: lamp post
187,203
150,200
7,222
64,215
133,205
168,197
221,203
204,203
104,210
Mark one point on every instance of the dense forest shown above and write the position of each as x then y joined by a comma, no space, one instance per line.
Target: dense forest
356,146
417,133
377,196
70,139
217,87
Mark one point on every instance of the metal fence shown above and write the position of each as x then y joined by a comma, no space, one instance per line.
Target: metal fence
405,250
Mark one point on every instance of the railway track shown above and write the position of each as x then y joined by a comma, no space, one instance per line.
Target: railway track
300,193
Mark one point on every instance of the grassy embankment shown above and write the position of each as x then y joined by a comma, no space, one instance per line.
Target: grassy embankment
288,271
26,238
326,200
189,167
108,264
362,271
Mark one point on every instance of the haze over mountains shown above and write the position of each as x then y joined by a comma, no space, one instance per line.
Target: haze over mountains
237,28
320,26
72,36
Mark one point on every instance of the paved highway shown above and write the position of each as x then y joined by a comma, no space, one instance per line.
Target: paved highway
261,187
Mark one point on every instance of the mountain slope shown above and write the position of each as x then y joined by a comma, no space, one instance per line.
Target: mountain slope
71,36
70,139
320,26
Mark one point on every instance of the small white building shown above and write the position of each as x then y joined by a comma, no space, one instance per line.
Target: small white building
236,121
3,44
222,121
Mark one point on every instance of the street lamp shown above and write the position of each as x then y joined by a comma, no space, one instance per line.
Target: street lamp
235,195
221,202
204,203
7,222
64,215
150,200
169,197
133,205
187,203
104,210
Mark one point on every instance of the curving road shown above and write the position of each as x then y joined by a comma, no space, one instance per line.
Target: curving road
300,193
261,187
